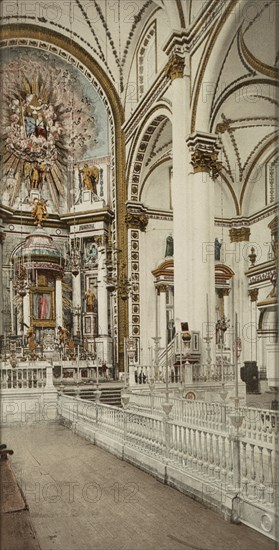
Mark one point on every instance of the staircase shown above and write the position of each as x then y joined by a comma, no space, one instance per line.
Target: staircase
109,395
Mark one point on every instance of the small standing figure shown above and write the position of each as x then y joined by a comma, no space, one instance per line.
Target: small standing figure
221,326
63,334
90,300
90,177
39,211
169,247
217,249
72,348
31,341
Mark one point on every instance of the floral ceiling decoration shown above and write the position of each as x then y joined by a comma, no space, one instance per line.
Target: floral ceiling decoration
50,119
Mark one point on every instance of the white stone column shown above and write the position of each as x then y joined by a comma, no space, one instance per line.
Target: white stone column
178,71
204,151
58,302
77,303
246,312
162,315
26,311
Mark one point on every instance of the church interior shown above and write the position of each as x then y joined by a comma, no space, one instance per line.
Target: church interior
138,181
139,205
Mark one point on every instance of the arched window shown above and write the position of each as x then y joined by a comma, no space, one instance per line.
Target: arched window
147,60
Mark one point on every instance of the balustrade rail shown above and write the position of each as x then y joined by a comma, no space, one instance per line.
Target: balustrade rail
205,446
21,378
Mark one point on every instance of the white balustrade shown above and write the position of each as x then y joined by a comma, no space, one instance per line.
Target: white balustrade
238,462
19,378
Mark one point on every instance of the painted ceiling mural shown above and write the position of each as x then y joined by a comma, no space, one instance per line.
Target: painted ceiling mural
52,117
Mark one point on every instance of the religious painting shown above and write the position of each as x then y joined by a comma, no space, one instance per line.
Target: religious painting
42,307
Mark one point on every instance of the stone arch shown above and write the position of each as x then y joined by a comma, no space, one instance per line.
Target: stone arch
139,147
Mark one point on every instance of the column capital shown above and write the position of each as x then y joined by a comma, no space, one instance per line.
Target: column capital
223,292
2,237
204,150
175,66
253,293
239,234
136,219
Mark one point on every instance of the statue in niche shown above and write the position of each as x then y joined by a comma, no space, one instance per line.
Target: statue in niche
91,254
90,177
217,249
90,300
39,211
169,247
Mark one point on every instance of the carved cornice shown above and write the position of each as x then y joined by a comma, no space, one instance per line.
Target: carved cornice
175,66
253,293
239,234
204,150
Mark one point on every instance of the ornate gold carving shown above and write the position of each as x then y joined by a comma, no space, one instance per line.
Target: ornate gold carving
136,220
161,288
253,293
48,36
221,292
239,234
204,148
175,67
206,161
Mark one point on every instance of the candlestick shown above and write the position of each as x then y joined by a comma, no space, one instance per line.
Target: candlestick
167,369
207,315
236,361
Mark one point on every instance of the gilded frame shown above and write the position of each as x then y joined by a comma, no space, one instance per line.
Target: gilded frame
42,308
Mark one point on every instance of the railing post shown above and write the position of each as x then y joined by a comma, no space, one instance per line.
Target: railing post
167,407
49,379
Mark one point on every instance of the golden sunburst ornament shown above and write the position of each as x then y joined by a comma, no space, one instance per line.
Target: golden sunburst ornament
45,121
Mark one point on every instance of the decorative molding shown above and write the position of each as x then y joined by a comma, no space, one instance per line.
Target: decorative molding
261,272
256,64
204,150
175,67
139,159
221,292
239,234
134,241
253,293
136,220
146,104
247,220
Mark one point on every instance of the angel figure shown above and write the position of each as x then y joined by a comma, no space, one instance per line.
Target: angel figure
39,211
